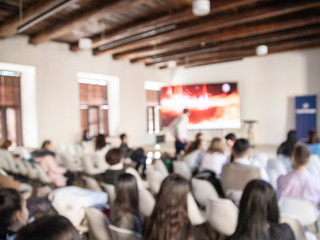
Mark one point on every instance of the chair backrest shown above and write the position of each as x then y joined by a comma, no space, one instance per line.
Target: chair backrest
109,188
98,225
203,190
123,234
22,168
154,179
196,217
305,211
42,175
313,166
92,183
134,172
182,168
89,166
260,159
295,226
222,216
277,165
146,202
234,196
161,167
4,164
71,162
32,170
191,158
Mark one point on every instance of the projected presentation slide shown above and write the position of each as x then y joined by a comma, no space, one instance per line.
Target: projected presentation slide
211,106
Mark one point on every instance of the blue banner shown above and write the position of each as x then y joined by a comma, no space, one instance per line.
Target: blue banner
306,116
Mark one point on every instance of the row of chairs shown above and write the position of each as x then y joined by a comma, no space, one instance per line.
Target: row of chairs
295,212
32,171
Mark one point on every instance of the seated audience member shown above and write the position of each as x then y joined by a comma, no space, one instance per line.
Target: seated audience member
114,159
286,148
6,144
314,142
237,174
13,213
46,158
169,219
86,137
194,154
136,155
299,183
199,136
214,158
259,215
125,208
230,140
101,149
49,228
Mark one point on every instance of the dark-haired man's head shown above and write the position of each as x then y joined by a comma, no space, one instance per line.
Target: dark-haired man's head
186,110
301,155
230,139
114,156
241,148
199,136
123,138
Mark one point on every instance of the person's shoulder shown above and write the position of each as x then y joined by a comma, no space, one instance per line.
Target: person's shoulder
281,230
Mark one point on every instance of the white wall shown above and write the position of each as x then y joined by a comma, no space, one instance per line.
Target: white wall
57,88
267,87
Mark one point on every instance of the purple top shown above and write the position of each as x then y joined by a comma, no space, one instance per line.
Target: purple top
299,184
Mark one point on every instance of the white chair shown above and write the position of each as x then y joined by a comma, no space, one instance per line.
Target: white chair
305,211
313,166
89,164
92,183
275,168
22,168
191,158
161,167
98,225
42,175
260,159
32,171
234,196
182,168
3,164
203,190
141,183
146,202
295,226
154,179
196,217
123,234
71,162
222,216
109,188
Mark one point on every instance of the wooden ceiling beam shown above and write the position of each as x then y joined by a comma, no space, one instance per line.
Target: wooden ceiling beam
166,20
242,53
239,43
80,20
10,27
216,37
218,22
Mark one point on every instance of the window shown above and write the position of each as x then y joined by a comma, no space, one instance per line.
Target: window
153,111
10,107
94,106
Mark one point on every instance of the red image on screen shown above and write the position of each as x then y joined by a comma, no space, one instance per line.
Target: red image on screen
211,106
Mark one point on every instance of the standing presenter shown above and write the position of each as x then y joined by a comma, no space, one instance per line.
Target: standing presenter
179,128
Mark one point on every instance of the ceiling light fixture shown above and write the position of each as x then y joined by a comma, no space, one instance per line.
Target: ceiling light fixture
172,64
201,7
262,50
85,43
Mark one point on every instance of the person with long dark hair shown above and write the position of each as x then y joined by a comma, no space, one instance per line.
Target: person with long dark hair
286,148
125,208
169,219
259,215
49,228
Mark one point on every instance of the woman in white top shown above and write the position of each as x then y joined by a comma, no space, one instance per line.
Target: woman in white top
214,158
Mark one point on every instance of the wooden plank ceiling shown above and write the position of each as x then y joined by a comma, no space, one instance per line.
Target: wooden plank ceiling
155,32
